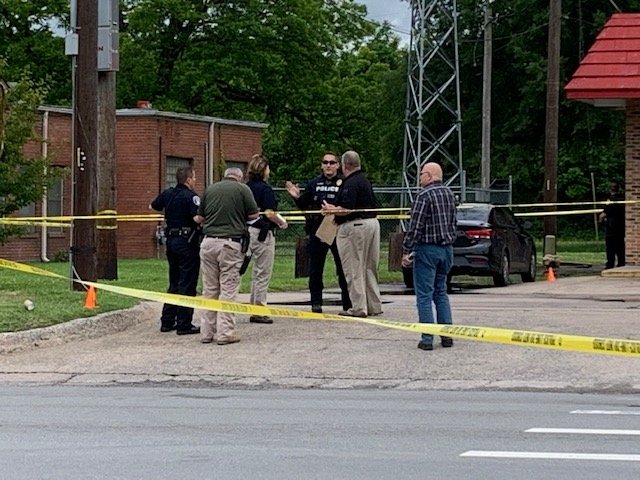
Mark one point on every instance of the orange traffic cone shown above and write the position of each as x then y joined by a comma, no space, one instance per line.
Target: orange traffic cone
551,276
90,298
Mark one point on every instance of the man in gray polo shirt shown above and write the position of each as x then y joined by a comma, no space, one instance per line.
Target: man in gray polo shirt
224,210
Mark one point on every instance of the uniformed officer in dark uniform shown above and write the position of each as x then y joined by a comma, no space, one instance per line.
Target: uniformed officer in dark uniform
613,216
180,205
323,187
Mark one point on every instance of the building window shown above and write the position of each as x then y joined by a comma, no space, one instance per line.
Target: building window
54,203
28,211
173,164
233,164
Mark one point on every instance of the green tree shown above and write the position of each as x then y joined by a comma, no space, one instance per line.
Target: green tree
22,178
590,139
285,62
30,41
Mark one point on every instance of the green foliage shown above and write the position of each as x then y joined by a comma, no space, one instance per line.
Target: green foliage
55,302
325,78
22,178
28,43
590,139
318,72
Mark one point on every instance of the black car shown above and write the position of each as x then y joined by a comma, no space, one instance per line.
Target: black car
490,241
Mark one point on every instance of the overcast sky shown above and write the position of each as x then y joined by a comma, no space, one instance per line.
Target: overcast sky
397,13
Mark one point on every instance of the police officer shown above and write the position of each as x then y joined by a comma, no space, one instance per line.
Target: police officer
180,205
613,217
323,187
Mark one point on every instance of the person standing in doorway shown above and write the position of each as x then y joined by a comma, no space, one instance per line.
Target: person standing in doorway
614,222
226,207
323,187
261,230
430,237
358,237
180,205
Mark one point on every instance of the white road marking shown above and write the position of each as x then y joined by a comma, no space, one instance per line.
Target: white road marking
584,431
553,455
604,412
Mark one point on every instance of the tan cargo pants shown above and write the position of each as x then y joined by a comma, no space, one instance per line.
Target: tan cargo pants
220,261
359,247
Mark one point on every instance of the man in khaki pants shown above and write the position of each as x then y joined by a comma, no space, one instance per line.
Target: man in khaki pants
224,211
358,237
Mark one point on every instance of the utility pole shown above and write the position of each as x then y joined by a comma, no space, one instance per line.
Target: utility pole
551,130
107,65
85,140
485,176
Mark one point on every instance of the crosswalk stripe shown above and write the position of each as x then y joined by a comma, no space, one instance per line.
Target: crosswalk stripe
604,412
584,431
553,455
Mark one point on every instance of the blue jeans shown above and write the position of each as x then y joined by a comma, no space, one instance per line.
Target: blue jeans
431,265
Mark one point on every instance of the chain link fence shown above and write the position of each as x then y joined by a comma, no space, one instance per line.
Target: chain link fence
388,197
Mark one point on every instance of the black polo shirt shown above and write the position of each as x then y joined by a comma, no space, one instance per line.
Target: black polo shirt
356,193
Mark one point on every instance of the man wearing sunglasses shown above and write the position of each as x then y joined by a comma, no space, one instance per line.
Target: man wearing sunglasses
323,187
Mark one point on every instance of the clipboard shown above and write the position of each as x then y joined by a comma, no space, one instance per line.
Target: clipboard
327,230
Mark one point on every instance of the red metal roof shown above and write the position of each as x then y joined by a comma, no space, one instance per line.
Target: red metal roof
610,72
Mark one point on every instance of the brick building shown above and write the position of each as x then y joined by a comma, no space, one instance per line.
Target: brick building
609,76
151,146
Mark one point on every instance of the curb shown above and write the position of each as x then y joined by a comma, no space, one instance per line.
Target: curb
87,327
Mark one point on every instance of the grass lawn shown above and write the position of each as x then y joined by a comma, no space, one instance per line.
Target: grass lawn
55,302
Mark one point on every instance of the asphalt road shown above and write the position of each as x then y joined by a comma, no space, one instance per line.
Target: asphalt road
63,432
328,354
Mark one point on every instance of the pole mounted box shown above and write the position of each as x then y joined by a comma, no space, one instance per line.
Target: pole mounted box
108,36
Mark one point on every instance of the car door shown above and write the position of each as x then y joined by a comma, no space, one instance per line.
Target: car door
508,231
519,241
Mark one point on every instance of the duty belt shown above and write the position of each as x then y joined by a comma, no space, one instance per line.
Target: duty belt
178,232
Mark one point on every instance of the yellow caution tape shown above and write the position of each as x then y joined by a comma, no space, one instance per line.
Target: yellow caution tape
552,341
40,223
565,204
108,216
557,212
298,215
21,267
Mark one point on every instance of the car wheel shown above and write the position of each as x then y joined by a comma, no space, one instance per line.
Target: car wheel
407,276
530,274
501,279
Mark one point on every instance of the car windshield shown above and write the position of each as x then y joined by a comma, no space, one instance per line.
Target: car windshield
478,213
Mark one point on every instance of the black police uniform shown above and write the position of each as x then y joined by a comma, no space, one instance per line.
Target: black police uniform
615,230
318,190
266,200
180,205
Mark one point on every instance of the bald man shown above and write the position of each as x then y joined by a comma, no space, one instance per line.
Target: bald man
430,237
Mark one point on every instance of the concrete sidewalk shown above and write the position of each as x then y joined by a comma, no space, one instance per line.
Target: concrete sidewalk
617,284
126,347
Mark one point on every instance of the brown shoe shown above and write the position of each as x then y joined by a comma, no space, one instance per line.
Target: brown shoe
228,340
207,340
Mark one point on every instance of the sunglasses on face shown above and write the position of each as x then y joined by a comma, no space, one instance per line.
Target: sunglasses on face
329,162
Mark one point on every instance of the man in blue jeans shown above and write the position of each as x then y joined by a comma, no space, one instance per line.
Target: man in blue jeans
430,237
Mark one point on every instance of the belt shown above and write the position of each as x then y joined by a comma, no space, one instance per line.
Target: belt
178,231
233,239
